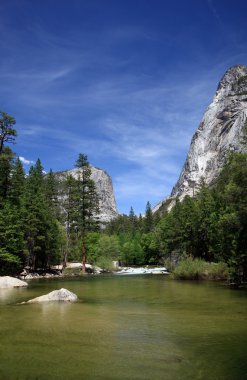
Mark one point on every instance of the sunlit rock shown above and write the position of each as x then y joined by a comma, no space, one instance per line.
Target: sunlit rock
141,270
62,294
219,132
11,282
104,187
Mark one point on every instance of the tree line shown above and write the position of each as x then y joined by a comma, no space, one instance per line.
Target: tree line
44,221
37,229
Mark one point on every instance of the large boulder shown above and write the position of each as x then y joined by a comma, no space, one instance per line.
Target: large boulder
56,295
11,282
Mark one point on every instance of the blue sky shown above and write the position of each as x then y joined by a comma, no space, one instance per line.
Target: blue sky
125,82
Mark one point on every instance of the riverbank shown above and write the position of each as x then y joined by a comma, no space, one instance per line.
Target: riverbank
75,269
198,269
186,269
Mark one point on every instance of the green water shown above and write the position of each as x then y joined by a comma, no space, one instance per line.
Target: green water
135,327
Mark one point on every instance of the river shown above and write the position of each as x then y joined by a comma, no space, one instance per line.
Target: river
125,328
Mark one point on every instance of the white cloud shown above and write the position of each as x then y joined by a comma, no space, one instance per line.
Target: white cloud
140,125
25,161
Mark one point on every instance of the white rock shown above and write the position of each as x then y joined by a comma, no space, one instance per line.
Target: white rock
74,265
142,270
56,295
104,187
219,132
11,282
57,267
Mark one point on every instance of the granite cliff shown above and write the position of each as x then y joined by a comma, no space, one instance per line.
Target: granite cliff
103,182
218,133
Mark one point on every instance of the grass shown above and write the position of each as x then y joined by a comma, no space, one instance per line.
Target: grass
198,269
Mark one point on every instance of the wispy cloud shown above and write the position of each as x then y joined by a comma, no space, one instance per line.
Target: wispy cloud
25,161
127,94
145,129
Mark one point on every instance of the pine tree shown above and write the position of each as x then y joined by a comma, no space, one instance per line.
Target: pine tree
148,222
17,183
132,222
11,237
6,164
70,205
7,132
88,203
41,228
51,194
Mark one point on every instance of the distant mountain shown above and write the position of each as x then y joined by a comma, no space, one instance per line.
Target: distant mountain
218,133
103,182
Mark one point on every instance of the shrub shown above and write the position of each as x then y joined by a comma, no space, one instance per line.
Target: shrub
9,264
105,263
198,269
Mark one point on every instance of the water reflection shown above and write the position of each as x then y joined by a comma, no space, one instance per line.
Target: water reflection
9,295
124,329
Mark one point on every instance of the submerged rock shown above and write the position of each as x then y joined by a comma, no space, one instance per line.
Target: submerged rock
11,282
56,295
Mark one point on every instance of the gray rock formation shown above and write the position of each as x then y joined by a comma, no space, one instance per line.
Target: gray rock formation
57,295
218,133
103,182
11,282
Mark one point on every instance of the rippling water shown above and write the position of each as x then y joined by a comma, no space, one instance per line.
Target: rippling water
136,327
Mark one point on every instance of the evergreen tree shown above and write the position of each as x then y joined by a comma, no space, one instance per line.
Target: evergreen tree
206,222
11,238
7,132
71,204
231,197
6,163
17,184
41,228
148,222
51,194
132,220
88,203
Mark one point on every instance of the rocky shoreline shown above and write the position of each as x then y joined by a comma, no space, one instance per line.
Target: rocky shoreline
74,269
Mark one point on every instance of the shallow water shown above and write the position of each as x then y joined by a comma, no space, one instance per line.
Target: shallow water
133,327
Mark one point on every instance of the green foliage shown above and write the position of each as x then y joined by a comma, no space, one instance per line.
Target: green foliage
150,248
7,132
211,227
198,269
148,221
9,264
11,230
108,246
81,206
132,253
6,162
105,263
92,241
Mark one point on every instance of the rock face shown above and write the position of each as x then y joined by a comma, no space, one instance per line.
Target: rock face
103,182
11,282
57,295
218,133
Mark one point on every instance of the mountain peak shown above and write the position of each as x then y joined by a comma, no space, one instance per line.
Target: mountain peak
218,133
230,79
